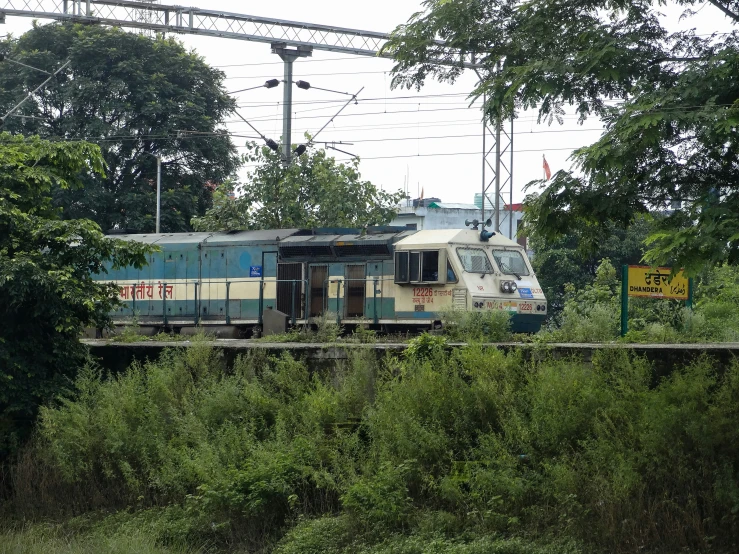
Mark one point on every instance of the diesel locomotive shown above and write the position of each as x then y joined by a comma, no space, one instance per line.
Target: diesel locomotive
390,278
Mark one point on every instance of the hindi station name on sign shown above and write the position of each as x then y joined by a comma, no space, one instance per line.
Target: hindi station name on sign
654,282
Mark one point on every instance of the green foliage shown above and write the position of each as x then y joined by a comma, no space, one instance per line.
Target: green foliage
569,260
141,98
48,539
671,138
381,500
334,535
593,313
314,191
425,346
487,326
46,277
327,328
468,450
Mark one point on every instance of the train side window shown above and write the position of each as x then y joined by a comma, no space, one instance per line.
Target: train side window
451,277
430,266
423,266
401,267
415,268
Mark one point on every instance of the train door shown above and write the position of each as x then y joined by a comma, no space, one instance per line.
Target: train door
356,287
289,296
318,286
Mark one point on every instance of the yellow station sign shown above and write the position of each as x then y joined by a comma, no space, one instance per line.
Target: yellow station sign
654,282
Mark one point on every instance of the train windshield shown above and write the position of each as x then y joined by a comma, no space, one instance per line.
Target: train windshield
511,262
474,260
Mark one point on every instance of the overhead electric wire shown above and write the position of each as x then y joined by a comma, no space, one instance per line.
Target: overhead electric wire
353,98
306,75
436,137
519,119
185,135
354,114
444,154
381,98
302,61
329,105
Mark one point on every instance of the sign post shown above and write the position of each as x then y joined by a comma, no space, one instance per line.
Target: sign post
647,282
624,300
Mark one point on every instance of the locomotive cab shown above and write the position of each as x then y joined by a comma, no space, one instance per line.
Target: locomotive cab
457,269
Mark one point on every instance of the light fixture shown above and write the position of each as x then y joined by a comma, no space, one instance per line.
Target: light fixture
508,286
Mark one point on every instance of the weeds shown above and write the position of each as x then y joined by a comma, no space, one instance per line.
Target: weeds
439,450
131,332
486,326
54,539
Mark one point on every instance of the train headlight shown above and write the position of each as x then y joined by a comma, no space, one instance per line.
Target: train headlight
508,286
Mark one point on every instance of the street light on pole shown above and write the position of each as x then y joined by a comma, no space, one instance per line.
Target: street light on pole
159,192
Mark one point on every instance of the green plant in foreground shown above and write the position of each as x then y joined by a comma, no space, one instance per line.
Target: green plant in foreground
425,346
485,326
443,449
50,539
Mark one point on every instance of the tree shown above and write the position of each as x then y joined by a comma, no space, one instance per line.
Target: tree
314,191
46,276
562,261
138,98
671,137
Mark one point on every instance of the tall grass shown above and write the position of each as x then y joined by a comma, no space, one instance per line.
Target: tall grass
444,450
50,539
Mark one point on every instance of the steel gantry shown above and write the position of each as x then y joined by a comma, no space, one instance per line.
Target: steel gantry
282,35
199,21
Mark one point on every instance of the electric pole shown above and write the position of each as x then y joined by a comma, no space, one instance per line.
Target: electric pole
288,55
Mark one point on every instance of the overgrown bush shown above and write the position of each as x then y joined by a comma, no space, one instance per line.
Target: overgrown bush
446,450
488,325
593,313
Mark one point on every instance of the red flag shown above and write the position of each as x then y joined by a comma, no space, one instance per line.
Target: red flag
547,171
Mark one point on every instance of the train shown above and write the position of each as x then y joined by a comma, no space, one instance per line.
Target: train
387,278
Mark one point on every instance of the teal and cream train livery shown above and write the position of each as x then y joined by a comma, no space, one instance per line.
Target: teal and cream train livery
388,277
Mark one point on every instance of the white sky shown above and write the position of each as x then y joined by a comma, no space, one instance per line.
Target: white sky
431,135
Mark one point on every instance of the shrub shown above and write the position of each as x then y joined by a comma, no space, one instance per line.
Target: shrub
467,326
381,500
448,450
426,346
